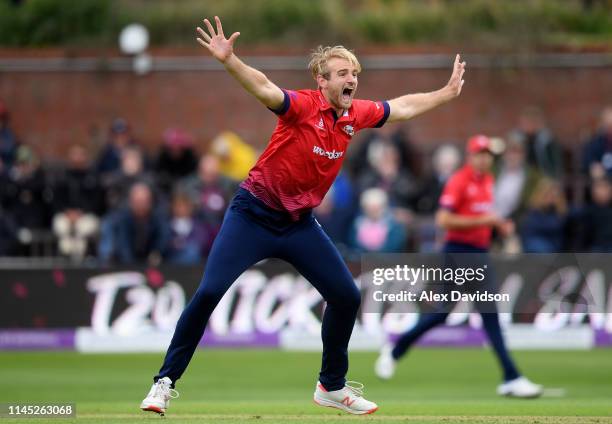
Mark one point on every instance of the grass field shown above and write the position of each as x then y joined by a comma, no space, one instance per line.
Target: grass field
266,386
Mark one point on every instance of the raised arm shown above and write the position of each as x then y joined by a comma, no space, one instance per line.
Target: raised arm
411,105
254,81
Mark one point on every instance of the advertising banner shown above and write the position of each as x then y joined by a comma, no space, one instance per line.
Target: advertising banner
557,301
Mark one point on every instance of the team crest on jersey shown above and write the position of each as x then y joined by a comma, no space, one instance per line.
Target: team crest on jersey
349,130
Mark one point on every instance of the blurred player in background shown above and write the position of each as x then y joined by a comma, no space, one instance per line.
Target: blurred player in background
466,214
271,214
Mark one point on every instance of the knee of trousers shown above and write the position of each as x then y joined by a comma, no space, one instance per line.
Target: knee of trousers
349,299
206,297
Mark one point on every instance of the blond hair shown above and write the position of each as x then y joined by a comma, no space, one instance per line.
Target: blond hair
548,192
321,55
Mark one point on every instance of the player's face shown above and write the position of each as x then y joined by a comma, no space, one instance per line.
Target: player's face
482,161
340,87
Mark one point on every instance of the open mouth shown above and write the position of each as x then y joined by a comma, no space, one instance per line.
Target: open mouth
347,94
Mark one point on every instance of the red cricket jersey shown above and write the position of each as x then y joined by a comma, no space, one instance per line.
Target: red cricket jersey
469,193
306,150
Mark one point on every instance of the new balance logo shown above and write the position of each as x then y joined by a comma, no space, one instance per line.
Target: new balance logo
320,125
330,155
347,401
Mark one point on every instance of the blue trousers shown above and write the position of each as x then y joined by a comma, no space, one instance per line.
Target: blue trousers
490,318
252,231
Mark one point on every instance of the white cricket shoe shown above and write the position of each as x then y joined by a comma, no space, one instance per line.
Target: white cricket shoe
384,367
520,387
349,398
159,396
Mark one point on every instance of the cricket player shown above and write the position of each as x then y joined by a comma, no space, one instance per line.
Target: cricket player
271,213
467,216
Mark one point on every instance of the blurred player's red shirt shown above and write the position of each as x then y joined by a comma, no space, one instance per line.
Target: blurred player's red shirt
469,193
307,148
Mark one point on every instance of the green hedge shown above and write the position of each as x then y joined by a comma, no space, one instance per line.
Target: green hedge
305,22
54,22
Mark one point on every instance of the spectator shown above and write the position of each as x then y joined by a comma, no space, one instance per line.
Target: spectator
387,175
77,202
446,159
596,220
109,159
360,161
190,238
176,159
376,230
236,158
543,152
27,196
118,183
210,190
597,155
8,234
515,180
543,227
75,232
136,233
8,140
78,187
5,187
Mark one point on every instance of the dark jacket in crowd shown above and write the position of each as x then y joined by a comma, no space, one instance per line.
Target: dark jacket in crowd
543,231
28,198
78,189
126,239
8,146
109,159
8,234
543,152
598,150
170,169
189,245
596,226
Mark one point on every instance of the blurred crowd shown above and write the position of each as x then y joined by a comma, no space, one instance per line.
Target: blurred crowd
123,205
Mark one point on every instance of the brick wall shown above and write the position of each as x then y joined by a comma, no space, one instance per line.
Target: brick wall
51,110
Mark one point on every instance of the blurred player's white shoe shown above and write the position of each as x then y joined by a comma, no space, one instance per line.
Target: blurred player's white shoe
349,398
159,396
385,364
520,387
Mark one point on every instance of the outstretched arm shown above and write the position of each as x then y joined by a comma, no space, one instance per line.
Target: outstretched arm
411,105
453,221
254,81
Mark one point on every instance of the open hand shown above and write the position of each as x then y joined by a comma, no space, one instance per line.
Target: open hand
220,47
455,83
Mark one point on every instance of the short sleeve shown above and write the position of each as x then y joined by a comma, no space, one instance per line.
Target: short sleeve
452,193
295,103
370,114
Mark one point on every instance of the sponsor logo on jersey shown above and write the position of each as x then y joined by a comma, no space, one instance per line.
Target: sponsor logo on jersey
330,155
